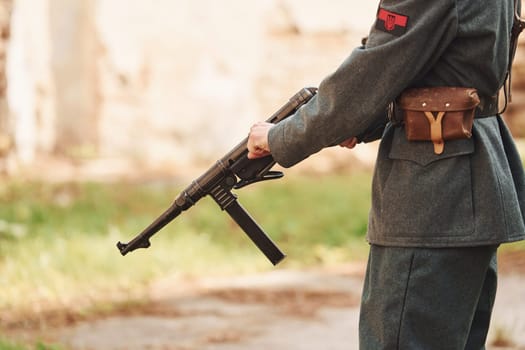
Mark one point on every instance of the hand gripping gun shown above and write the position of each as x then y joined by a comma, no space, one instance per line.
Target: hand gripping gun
233,171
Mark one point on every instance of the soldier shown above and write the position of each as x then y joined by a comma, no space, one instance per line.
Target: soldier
438,214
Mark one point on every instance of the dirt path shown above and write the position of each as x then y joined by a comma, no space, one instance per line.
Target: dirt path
282,309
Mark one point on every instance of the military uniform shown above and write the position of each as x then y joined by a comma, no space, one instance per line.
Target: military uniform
439,216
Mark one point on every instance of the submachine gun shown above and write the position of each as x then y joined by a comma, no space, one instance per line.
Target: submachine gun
233,171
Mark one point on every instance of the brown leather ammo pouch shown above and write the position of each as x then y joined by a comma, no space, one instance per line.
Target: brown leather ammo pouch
438,114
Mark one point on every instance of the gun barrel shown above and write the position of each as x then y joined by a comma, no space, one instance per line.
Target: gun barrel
142,239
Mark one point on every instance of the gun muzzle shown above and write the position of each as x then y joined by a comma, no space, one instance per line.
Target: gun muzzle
125,248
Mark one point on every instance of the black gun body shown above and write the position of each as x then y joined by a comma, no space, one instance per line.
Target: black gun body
232,171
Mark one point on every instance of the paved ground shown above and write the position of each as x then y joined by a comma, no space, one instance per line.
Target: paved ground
299,310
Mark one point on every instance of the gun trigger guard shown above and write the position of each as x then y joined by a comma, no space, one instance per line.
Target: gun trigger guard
270,175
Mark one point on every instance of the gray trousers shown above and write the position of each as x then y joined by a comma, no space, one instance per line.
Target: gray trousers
427,299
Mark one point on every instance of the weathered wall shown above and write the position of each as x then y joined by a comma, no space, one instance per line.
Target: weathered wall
183,82
74,74
123,82
177,82
30,87
120,84
6,142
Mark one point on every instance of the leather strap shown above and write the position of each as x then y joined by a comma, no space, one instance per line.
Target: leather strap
436,133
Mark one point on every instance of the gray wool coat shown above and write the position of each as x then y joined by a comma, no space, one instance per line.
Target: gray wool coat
471,194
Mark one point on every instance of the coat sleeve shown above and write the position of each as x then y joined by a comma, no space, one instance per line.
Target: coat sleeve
406,39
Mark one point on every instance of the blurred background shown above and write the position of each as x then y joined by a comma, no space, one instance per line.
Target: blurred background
102,88
109,107
105,87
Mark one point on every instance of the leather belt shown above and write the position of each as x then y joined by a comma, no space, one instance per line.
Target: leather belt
488,107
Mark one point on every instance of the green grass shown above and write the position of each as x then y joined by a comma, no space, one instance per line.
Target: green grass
57,241
9,345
